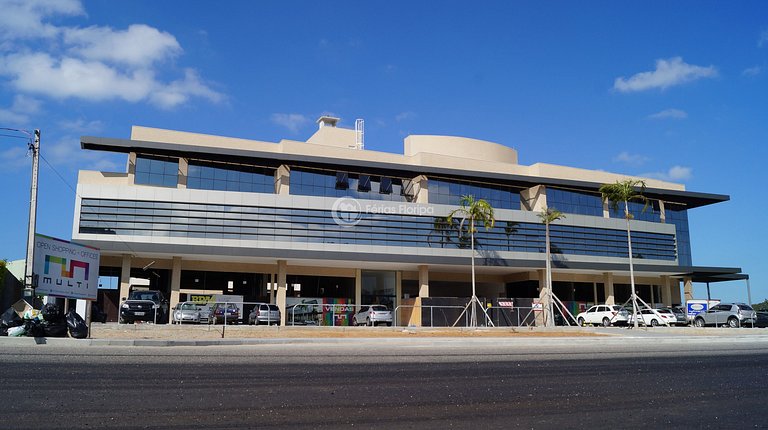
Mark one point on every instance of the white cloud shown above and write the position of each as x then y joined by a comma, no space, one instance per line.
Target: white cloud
634,159
668,73
403,116
81,126
669,114
674,174
291,121
21,19
752,71
66,153
94,63
18,113
763,39
139,45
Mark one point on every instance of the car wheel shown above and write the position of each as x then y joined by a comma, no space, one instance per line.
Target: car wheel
368,322
733,322
698,322
606,322
581,322
654,323
389,324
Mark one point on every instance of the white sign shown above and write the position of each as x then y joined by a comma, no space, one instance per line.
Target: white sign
65,269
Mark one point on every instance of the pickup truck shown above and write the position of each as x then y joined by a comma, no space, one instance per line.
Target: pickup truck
148,306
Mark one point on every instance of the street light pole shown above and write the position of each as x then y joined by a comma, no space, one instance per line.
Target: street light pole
29,287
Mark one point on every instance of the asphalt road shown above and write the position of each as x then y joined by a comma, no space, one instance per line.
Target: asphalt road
437,383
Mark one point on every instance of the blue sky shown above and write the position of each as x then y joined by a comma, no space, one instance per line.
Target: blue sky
671,90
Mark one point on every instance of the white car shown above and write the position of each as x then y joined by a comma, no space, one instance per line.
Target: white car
605,315
654,317
372,315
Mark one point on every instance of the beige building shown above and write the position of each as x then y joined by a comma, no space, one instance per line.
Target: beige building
330,221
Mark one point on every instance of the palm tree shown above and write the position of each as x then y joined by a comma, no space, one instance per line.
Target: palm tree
473,211
548,216
624,192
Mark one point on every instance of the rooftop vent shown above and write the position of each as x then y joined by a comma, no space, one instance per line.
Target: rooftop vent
327,121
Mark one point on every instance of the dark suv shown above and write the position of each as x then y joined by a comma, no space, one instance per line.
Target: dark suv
144,306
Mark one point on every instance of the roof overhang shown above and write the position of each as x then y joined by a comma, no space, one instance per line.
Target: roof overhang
689,198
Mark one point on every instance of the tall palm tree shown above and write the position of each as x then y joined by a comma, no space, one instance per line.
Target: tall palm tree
473,211
548,216
624,192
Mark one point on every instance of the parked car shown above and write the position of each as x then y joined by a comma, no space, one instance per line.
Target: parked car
606,315
654,317
302,313
762,319
732,314
227,313
188,312
144,305
372,315
680,314
264,313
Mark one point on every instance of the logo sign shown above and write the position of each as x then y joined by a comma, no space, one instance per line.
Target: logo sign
696,308
506,303
346,212
65,269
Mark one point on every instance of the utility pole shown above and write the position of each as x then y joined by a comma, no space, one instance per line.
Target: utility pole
29,287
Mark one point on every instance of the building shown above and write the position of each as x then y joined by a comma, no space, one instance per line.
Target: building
327,219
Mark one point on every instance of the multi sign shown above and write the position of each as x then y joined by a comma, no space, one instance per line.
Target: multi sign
65,269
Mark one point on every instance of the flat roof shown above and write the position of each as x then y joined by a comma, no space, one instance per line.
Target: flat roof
689,198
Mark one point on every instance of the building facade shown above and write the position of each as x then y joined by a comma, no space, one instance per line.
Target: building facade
327,219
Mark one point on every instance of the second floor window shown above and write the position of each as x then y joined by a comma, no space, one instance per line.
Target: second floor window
159,171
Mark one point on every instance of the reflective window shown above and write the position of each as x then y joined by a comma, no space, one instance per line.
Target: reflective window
159,171
639,211
450,192
325,183
574,202
230,177
678,215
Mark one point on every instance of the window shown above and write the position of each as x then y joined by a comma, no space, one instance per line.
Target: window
342,180
205,175
386,185
364,183
158,171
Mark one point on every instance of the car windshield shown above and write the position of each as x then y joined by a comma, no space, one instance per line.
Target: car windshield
143,295
188,307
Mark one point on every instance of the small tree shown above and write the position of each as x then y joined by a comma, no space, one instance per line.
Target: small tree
473,211
624,192
548,216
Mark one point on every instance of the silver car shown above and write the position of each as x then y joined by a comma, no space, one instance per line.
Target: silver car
732,314
264,313
187,312
372,315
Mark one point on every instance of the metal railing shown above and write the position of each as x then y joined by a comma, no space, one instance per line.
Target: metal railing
501,316
314,314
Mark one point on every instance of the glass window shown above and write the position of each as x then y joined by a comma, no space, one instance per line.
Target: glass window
158,171
204,175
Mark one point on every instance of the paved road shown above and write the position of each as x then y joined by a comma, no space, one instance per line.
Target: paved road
436,383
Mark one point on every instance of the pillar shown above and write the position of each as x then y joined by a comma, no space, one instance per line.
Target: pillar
271,287
662,212
594,292
688,288
423,280
398,288
358,289
131,167
666,291
534,199
125,277
282,272
610,298
420,189
183,172
282,180
175,281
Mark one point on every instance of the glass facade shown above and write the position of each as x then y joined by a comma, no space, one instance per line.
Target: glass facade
574,202
445,192
159,171
230,177
650,214
678,215
147,218
322,183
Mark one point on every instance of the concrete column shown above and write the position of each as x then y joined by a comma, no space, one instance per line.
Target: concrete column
423,280
398,288
175,281
610,298
594,292
131,167
283,180
125,277
666,291
653,295
662,212
183,172
272,282
688,288
358,289
282,272
534,199
420,189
